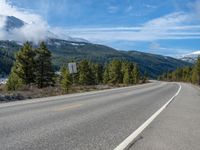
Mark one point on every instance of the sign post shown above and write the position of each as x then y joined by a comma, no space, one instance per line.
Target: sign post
72,69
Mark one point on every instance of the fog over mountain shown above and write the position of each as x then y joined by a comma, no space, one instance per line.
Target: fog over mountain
13,28
13,23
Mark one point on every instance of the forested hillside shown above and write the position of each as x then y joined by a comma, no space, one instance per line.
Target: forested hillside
33,67
66,51
185,74
7,56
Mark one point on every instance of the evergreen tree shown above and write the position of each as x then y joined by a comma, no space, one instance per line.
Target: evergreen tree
65,79
145,77
194,75
44,70
25,64
97,70
86,76
14,82
106,77
115,73
127,68
126,77
136,75
185,74
197,71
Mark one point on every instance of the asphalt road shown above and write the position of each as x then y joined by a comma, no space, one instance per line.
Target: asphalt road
102,120
176,128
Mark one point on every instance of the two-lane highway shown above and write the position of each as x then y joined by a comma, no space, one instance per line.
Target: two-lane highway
94,120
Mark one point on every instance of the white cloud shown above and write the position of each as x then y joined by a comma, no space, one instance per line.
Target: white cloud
172,26
35,29
195,7
2,24
29,32
2,21
177,25
172,19
155,47
7,9
159,28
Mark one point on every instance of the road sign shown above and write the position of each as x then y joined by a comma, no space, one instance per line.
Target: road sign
72,68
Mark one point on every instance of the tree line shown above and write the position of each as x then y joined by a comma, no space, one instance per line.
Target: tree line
33,67
116,72
185,74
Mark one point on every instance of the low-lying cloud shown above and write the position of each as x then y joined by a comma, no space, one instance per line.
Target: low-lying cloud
29,32
35,28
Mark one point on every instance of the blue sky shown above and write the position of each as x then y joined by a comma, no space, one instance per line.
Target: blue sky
168,27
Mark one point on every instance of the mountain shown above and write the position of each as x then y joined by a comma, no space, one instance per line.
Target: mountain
153,64
13,23
7,55
65,51
191,57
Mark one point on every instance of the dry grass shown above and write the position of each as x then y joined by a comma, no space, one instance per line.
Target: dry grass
30,92
27,92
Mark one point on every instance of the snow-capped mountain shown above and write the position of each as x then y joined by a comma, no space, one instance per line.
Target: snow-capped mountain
13,23
191,57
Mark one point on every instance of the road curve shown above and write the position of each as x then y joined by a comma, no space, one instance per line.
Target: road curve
176,128
94,120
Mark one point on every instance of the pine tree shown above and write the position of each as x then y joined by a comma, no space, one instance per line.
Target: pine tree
126,77
106,76
187,74
86,76
65,79
97,70
145,77
14,82
197,70
127,67
44,70
136,75
115,72
25,64
194,75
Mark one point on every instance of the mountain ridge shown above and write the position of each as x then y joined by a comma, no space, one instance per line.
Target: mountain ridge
191,57
13,22
65,51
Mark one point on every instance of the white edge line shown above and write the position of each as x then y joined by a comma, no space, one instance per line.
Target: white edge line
128,141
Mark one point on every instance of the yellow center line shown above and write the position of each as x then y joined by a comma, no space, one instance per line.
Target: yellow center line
63,108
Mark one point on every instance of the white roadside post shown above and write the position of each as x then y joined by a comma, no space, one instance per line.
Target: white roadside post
72,69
